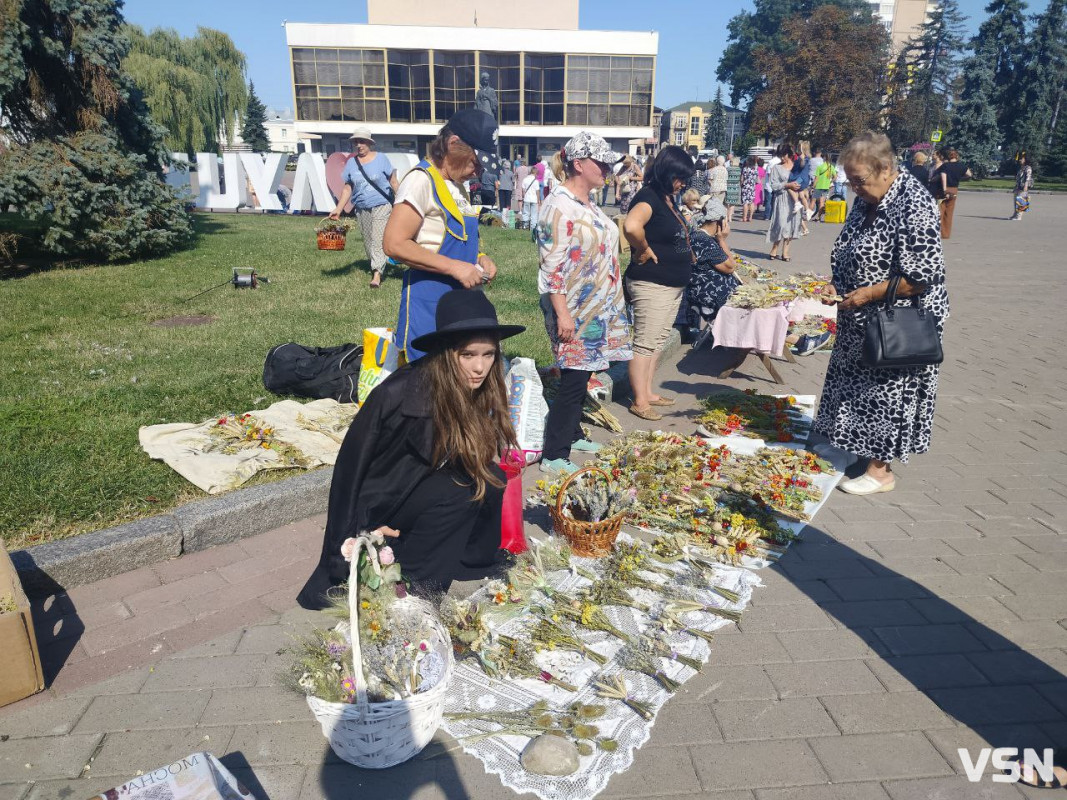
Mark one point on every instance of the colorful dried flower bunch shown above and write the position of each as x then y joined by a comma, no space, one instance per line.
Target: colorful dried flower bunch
395,642
751,414
234,433
771,289
509,657
813,325
532,568
342,226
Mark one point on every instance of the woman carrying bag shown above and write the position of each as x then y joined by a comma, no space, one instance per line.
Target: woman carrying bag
370,185
890,245
434,229
419,464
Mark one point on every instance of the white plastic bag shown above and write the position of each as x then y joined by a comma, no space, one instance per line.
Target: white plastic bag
528,407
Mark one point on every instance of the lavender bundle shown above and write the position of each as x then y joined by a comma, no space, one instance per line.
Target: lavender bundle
638,657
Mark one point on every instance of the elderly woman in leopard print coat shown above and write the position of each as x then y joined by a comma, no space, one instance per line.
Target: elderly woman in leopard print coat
881,414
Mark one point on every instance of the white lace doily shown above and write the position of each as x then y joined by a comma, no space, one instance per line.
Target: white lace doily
472,690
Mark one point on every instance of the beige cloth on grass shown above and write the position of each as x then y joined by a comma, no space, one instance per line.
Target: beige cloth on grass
183,446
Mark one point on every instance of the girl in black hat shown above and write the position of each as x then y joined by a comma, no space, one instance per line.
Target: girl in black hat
419,463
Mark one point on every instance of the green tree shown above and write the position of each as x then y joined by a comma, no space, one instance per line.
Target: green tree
762,28
195,87
60,73
1003,37
84,159
974,120
799,101
252,131
934,58
1039,90
715,132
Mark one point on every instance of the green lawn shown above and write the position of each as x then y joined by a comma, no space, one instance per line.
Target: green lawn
83,367
1007,184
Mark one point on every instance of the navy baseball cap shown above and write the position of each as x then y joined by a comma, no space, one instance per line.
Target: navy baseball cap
479,130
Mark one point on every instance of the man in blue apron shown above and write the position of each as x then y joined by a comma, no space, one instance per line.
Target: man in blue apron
434,229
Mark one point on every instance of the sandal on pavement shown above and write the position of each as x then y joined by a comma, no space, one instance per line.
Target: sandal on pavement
663,401
1029,776
865,484
645,413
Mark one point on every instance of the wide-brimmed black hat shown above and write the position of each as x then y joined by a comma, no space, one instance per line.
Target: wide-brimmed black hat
464,311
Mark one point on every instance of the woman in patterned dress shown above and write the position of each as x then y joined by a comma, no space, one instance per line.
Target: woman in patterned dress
749,183
713,279
881,414
733,189
580,282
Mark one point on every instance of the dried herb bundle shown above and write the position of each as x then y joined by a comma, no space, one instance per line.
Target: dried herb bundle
508,657
549,634
575,723
613,687
637,657
584,612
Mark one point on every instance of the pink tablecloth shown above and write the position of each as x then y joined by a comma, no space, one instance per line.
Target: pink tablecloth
759,329
799,309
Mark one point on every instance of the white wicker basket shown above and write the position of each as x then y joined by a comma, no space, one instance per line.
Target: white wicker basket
379,735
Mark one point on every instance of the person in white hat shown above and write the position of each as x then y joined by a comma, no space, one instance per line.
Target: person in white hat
370,185
580,283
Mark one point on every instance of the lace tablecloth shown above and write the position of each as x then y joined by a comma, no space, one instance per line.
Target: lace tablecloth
472,690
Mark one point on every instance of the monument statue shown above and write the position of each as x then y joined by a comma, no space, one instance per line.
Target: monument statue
485,100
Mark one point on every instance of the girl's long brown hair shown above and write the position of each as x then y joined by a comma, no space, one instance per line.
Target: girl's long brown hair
471,428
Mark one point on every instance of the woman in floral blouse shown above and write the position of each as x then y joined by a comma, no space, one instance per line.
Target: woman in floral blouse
581,292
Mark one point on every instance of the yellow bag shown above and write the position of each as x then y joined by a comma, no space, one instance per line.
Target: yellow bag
381,358
836,210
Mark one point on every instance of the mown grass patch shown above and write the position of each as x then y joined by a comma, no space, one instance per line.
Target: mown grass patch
83,367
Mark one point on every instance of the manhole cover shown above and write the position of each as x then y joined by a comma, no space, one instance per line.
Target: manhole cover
183,322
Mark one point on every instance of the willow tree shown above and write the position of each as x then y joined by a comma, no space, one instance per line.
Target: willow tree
195,87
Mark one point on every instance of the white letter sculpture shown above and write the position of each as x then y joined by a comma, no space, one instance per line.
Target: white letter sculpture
266,176
309,185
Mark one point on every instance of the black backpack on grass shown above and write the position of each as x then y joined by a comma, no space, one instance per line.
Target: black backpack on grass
316,372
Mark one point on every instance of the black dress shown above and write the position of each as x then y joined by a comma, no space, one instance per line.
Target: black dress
384,476
885,414
708,289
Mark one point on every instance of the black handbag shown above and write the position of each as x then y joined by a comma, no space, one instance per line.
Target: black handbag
901,337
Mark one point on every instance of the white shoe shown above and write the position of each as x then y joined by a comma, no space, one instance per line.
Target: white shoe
865,484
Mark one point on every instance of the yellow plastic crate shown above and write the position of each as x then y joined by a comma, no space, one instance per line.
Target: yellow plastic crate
836,211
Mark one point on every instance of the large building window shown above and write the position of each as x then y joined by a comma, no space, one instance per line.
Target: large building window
454,82
543,90
694,126
409,86
503,69
339,84
609,90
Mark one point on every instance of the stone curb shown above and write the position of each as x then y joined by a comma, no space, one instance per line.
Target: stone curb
53,567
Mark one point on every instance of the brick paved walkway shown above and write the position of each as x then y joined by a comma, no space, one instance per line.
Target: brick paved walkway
902,628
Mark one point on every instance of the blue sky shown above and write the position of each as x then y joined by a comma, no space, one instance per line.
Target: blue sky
689,44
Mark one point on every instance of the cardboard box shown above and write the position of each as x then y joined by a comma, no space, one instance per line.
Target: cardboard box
20,663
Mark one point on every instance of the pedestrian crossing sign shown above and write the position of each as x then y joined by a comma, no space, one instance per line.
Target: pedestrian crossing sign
935,136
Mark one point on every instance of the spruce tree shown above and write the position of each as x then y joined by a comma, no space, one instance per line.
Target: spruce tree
252,131
934,57
974,119
1040,87
715,132
1003,37
83,158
